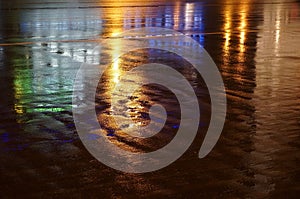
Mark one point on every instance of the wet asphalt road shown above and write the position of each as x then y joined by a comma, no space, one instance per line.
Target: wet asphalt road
255,45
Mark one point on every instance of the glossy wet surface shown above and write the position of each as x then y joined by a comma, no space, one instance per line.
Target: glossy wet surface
255,45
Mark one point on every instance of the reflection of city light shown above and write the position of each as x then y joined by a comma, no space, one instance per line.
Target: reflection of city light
227,31
118,19
115,68
243,32
227,27
243,26
19,109
116,30
277,28
22,86
189,13
28,87
115,17
242,41
274,41
116,71
273,24
176,15
115,33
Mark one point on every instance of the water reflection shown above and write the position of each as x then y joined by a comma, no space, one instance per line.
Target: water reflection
56,24
243,10
227,27
237,37
277,78
255,48
189,15
38,85
176,16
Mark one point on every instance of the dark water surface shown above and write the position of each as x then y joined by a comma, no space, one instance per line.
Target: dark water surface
255,45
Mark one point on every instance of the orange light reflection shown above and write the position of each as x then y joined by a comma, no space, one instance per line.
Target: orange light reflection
227,31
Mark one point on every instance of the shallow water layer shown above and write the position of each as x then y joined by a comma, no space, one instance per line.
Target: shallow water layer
255,45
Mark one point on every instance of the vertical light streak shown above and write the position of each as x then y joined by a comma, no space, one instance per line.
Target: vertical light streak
189,13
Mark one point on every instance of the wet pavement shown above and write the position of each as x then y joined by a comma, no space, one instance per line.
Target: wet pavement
255,45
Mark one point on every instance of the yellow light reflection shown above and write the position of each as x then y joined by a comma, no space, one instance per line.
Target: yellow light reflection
243,25
229,28
115,72
227,31
176,16
243,28
116,32
115,19
277,28
277,33
19,109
